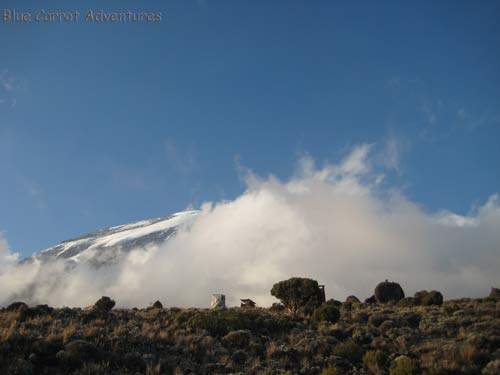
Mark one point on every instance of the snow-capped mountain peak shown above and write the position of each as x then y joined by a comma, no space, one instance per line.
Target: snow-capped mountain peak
107,245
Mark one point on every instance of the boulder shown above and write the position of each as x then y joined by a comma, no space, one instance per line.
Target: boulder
388,291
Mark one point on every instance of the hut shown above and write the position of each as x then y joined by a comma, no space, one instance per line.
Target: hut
247,303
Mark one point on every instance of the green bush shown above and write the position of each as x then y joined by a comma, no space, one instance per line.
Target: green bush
298,293
325,313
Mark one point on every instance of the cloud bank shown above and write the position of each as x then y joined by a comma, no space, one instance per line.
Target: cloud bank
339,224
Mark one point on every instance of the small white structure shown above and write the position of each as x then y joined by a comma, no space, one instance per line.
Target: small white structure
218,301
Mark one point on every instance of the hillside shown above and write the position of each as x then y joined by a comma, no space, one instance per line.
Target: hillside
457,337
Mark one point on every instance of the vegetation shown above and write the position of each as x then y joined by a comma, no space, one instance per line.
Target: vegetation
325,313
457,337
298,294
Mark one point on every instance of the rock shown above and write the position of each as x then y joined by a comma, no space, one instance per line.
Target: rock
388,291
494,293
104,305
157,305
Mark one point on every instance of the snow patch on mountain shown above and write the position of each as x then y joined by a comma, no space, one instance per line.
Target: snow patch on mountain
107,245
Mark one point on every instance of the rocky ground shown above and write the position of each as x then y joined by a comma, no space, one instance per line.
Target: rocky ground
456,337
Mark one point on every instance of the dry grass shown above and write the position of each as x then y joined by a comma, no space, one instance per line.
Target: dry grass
450,339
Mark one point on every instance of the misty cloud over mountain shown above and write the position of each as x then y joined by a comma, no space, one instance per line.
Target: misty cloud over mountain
340,224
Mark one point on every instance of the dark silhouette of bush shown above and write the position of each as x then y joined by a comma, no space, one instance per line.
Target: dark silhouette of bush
404,365
277,307
104,305
238,339
387,291
327,312
407,302
16,306
352,299
157,305
426,298
349,350
371,300
375,361
298,294
377,319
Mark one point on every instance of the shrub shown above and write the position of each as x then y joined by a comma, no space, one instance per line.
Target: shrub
352,299
330,371
413,320
377,319
375,361
325,313
407,302
157,305
298,293
221,322
277,307
371,300
426,298
404,365
16,306
104,305
387,291
349,350
239,339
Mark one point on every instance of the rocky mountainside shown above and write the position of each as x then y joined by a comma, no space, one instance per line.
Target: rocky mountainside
105,246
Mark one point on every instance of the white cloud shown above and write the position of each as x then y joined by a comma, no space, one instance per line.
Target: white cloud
334,224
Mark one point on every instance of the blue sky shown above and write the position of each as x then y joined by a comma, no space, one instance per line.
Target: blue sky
102,124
